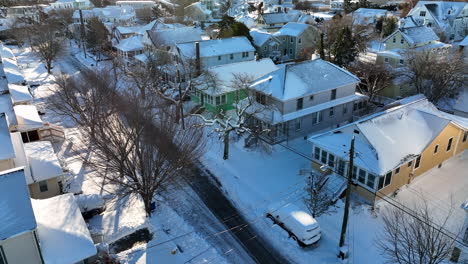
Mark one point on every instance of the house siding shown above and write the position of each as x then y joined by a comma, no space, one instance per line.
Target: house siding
53,189
21,249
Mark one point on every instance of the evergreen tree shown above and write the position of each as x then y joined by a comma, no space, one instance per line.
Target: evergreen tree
344,49
321,47
97,36
389,26
228,27
379,24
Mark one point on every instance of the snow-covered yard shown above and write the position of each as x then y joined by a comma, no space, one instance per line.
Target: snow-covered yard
254,181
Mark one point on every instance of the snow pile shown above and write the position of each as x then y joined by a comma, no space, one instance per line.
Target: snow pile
63,234
16,213
121,218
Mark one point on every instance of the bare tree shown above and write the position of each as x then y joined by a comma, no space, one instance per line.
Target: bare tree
374,77
417,238
225,122
134,144
46,44
436,75
317,200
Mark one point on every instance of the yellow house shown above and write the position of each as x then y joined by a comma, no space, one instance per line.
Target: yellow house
18,236
392,147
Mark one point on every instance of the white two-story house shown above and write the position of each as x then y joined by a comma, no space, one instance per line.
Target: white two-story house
303,98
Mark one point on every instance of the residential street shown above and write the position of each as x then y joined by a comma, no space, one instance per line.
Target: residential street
204,206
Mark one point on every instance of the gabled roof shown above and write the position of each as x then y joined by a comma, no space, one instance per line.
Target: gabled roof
171,36
16,213
260,37
292,29
388,139
27,118
19,94
302,79
42,161
216,47
278,18
416,35
132,43
440,10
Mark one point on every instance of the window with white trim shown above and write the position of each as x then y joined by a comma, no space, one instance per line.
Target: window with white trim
331,160
385,180
370,180
362,176
317,153
323,158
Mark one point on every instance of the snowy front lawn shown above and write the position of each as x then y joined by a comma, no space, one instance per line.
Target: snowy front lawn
254,181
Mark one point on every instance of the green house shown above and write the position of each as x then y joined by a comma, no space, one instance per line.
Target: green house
221,87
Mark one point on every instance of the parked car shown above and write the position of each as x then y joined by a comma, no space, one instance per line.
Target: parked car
300,225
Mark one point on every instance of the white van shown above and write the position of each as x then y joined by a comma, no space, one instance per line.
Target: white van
300,225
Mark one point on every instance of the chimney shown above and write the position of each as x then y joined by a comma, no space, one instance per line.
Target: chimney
315,56
197,58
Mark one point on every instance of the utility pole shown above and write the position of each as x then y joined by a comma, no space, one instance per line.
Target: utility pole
83,34
343,254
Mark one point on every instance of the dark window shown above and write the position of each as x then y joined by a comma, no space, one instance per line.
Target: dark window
260,98
402,61
436,148
315,118
299,41
354,172
449,145
218,100
299,103
345,109
410,163
30,136
311,97
231,56
317,153
465,136
362,176
381,182
290,51
219,57
402,41
370,180
397,170
388,178
417,163
333,94
43,186
422,13
331,160
324,157
331,111
394,40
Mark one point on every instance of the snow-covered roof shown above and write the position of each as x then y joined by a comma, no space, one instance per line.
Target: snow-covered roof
132,43
19,94
302,79
12,71
42,161
419,35
248,21
292,29
6,106
63,234
216,47
368,15
6,150
27,117
408,22
388,139
171,36
16,213
118,12
252,69
461,104
259,37
278,18
443,12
